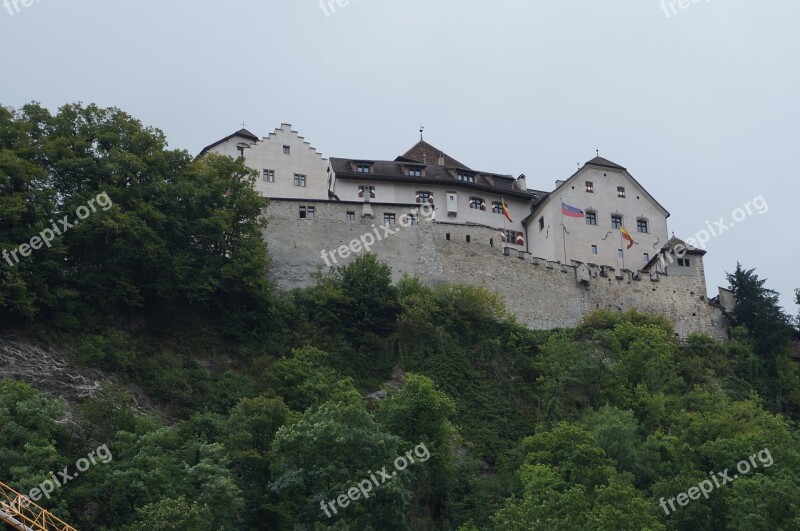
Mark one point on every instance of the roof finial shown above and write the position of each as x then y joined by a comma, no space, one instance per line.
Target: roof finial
421,129
597,151
244,125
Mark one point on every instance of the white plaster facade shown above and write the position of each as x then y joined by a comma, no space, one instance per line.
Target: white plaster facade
284,153
576,239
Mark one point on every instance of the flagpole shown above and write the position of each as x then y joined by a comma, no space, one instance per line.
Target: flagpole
621,246
503,211
563,232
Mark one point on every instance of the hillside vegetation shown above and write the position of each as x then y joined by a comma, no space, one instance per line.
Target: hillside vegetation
259,417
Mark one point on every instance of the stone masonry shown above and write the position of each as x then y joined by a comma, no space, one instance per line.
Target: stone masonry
542,294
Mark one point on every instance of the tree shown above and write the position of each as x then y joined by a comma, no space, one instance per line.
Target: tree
758,310
326,453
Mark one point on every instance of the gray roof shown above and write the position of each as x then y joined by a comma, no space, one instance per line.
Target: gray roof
600,161
434,174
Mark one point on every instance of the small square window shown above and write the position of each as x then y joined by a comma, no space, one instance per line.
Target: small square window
497,207
619,253
646,257
594,249
302,212
269,176
591,218
590,187
477,203
351,216
541,223
362,168
286,150
616,221
299,180
641,225
466,177
413,219
388,219
684,262
310,212
620,191
424,197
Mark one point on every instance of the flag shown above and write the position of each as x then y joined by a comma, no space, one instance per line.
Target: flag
571,211
505,210
627,236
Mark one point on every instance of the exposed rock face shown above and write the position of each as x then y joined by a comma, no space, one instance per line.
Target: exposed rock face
45,368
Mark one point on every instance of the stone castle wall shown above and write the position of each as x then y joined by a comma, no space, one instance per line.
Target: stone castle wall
543,295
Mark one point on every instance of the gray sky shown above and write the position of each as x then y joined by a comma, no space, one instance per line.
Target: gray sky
700,106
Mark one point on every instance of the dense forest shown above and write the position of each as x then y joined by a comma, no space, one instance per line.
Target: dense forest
355,403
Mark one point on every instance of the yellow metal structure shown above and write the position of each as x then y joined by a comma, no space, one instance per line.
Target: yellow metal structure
21,513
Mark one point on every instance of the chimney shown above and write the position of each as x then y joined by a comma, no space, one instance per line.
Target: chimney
441,159
522,183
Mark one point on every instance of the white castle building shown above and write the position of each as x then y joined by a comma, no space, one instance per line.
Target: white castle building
600,221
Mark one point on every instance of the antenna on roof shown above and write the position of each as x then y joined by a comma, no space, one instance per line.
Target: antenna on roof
597,151
421,129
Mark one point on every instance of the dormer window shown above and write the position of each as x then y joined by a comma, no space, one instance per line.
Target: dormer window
415,172
467,178
423,197
363,168
620,191
590,187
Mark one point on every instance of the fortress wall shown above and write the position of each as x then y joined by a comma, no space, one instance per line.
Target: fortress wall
543,295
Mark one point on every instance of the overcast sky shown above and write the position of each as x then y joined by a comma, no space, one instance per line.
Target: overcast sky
701,106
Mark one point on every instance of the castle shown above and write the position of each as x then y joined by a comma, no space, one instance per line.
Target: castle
599,240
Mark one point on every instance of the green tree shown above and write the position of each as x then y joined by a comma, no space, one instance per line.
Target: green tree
758,310
326,453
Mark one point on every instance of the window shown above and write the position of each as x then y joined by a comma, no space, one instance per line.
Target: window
424,197
269,176
513,237
594,249
302,212
591,217
497,207
299,180
466,178
541,223
641,225
646,257
477,203
684,262
620,191
370,189
286,150
362,168
414,172
310,212
590,187
388,219
619,253
351,216
468,238
616,221
413,219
